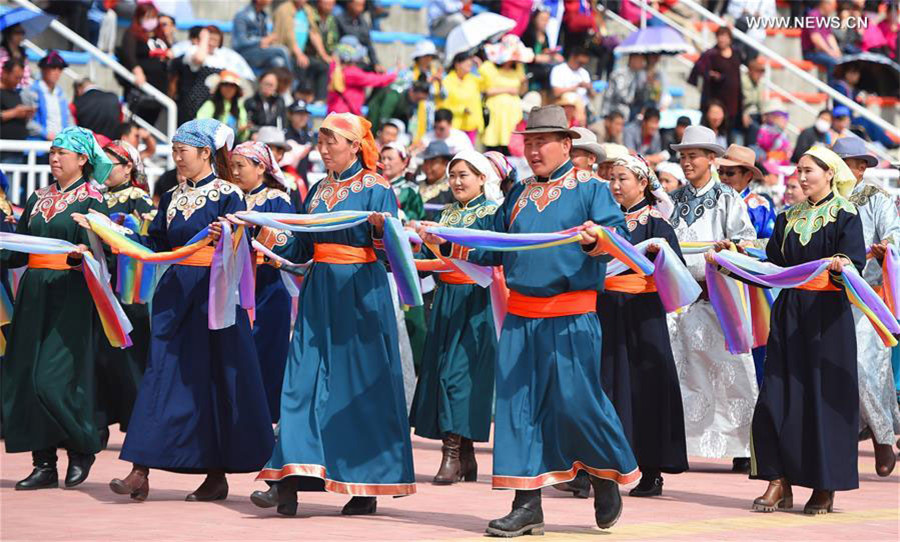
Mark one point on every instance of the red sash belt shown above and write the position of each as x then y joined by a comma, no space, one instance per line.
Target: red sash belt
454,277
631,284
337,253
567,304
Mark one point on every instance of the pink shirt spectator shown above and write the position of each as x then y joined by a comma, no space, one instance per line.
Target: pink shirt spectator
817,27
356,81
26,77
519,11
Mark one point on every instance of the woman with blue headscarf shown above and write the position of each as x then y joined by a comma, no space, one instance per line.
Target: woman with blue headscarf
201,406
48,372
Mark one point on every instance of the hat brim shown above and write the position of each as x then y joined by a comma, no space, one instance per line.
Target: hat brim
757,174
280,145
549,130
871,161
593,148
712,147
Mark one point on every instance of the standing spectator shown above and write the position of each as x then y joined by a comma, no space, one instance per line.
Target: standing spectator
720,68
819,132
292,30
579,22
462,96
752,90
545,56
50,102
138,138
845,79
97,110
351,23
191,70
251,38
323,38
300,133
503,80
817,42
225,104
397,102
673,137
13,112
715,118
643,137
266,108
571,76
349,81
443,16
11,47
457,140
285,85
627,89
772,138
426,70
143,50
611,128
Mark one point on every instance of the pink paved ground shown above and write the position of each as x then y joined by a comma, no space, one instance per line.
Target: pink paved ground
708,503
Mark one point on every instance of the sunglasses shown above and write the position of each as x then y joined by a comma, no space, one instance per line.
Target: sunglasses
729,172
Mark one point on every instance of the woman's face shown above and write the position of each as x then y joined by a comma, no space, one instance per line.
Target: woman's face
190,162
793,194
715,115
338,152
541,19
669,182
815,182
464,66
465,182
17,37
583,159
268,85
393,164
228,91
121,171
66,165
246,173
625,187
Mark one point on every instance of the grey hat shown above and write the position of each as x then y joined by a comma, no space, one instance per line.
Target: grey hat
272,136
546,120
853,147
699,137
437,149
587,141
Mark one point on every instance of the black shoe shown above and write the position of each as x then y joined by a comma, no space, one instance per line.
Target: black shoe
607,502
44,475
579,487
360,506
650,486
526,517
282,494
740,464
79,468
104,438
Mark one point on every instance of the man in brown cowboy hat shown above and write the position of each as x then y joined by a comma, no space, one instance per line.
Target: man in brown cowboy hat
738,170
552,418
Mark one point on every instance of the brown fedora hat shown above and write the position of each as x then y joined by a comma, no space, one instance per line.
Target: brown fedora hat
548,119
738,155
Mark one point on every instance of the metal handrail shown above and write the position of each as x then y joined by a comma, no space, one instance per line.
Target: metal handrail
171,117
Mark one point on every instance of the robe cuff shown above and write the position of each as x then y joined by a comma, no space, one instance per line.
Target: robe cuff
377,242
459,252
268,237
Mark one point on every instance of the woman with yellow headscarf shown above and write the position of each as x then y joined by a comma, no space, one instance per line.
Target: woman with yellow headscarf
805,426
344,426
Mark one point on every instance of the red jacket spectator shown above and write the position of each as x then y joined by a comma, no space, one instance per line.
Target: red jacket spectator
579,17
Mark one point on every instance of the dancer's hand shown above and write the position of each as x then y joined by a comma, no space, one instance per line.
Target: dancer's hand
879,250
837,264
235,220
429,238
377,220
652,248
588,237
81,220
711,256
215,231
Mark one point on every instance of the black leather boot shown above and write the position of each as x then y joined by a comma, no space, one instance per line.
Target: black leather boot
526,517
651,485
580,487
79,468
360,506
282,494
44,475
607,502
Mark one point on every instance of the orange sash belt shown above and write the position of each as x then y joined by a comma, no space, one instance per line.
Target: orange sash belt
631,284
454,277
57,262
201,258
337,253
820,284
567,304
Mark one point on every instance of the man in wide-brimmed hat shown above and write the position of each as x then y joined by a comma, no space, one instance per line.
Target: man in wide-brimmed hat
549,429
717,409
738,170
881,227
586,152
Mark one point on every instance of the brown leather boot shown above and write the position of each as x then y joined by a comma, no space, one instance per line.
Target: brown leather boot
820,502
884,458
451,468
468,463
213,488
136,484
777,495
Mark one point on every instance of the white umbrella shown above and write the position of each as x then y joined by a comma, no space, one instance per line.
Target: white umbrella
475,31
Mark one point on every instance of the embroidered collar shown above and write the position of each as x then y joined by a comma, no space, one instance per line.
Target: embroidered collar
431,191
458,215
474,202
72,187
807,218
258,189
640,214
119,188
348,173
636,207
691,204
197,184
557,173
697,192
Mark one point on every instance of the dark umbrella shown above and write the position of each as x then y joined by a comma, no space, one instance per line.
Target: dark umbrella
878,74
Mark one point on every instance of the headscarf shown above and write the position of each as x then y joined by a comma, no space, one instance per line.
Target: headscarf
123,150
82,141
642,170
262,154
401,150
208,133
501,163
672,169
844,179
354,128
483,165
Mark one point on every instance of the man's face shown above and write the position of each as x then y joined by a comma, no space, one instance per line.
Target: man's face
299,121
12,77
827,7
650,126
416,97
756,71
857,166
442,129
583,159
50,76
581,60
435,168
736,177
356,7
723,40
215,41
840,124
546,151
695,163
614,127
132,137
326,6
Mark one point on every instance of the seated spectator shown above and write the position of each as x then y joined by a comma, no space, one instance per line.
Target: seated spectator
573,107
817,41
388,133
772,138
846,77
11,48
397,102
144,51
301,133
323,38
266,108
841,121
643,137
191,69
349,81
457,140
51,105
443,16
14,114
670,176
715,119
95,109
284,90
610,129
461,94
138,138
503,80
545,56
752,90
627,92
881,38
819,132
225,104
426,70
720,69
673,137
848,35
571,76
251,38
351,23
292,30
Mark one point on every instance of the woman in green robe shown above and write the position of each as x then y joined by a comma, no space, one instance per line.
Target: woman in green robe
456,384
47,375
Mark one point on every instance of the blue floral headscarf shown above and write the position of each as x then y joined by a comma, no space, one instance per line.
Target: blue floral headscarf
82,141
208,133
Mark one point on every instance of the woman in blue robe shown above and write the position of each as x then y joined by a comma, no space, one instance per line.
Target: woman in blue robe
344,426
